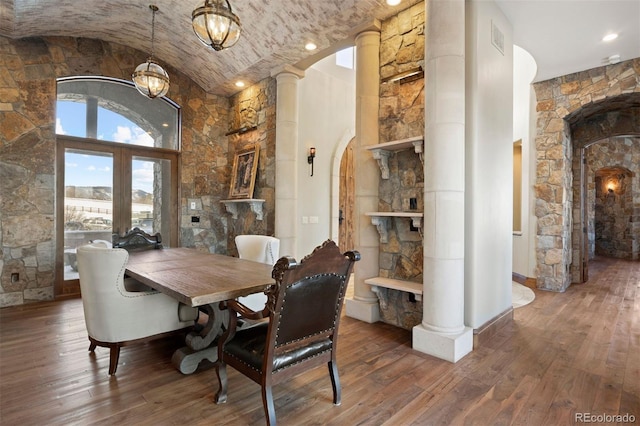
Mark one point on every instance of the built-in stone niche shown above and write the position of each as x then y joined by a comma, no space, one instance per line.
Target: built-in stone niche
614,213
401,255
401,117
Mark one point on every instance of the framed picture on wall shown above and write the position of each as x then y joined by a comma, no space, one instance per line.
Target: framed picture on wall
243,175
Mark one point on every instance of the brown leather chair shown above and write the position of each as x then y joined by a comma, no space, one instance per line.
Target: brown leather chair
303,308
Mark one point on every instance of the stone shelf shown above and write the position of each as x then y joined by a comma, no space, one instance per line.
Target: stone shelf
254,203
381,221
408,286
382,151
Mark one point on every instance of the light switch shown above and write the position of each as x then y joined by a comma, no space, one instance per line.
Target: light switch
313,219
193,205
305,219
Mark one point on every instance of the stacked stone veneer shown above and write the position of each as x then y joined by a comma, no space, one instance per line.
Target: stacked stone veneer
614,217
402,116
574,111
255,106
28,72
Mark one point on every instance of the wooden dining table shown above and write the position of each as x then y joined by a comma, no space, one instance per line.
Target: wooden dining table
199,279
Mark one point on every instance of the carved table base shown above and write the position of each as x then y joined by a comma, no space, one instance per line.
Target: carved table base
201,345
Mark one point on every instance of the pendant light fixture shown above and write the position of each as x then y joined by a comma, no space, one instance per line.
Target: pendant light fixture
149,77
215,24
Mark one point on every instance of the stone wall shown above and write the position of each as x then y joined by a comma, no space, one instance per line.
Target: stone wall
565,105
28,72
255,106
614,216
402,116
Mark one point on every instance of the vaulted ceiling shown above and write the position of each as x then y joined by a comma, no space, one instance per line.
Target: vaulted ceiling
564,36
274,32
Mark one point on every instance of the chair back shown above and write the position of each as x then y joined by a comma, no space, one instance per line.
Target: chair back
306,301
137,240
101,271
259,248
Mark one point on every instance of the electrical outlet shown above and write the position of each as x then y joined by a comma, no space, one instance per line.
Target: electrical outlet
313,219
195,219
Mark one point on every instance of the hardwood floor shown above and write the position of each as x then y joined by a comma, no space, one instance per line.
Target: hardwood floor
566,353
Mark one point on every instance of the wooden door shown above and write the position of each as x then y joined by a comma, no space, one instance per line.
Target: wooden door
347,200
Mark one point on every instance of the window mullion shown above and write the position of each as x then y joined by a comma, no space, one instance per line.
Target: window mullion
92,118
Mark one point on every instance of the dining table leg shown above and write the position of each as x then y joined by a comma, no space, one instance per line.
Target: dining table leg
200,344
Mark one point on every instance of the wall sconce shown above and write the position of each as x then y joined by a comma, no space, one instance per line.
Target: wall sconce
611,186
405,76
310,157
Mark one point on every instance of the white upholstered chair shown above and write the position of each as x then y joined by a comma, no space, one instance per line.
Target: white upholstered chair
259,248
116,317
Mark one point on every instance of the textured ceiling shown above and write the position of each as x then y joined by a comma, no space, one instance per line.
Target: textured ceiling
274,31
563,36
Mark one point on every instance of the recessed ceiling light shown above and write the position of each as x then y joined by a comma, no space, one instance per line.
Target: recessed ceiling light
614,59
393,2
310,46
239,83
610,37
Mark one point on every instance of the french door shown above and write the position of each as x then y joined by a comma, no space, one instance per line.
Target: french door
104,188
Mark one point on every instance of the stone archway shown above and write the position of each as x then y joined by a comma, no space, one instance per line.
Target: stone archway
574,111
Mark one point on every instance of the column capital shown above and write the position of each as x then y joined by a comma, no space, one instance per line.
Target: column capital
374,26
287,69
366,36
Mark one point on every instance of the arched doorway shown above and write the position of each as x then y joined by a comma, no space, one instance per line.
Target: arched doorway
575,111
602,135
343,192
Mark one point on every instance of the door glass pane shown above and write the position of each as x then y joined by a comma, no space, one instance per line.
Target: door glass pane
88,203
151,196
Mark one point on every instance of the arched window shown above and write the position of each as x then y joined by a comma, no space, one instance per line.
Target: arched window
117,166
113,110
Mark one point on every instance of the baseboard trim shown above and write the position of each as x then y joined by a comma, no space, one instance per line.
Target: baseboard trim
518,278
489,329
532,283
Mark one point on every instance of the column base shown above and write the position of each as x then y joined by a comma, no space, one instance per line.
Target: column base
363,311
450,347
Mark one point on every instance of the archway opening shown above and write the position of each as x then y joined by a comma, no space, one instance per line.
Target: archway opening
613,213
605,140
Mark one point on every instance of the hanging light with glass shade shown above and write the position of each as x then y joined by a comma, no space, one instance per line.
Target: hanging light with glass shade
149,77
215,24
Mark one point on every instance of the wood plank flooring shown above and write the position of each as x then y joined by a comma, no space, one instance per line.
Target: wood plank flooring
566,353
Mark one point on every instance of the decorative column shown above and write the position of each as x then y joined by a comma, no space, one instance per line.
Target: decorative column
442,332
364,305
286,223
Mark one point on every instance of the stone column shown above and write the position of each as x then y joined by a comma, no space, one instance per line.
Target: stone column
442,332
286,220
364,305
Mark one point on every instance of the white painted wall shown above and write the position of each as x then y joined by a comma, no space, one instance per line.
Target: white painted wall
489,165
326,112
524,71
